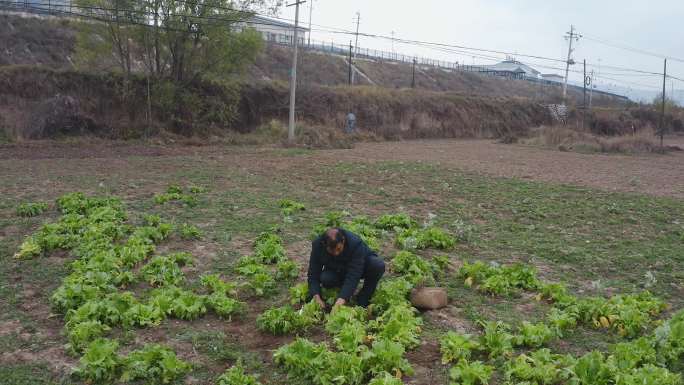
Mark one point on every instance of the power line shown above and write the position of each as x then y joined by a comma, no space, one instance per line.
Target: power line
336,30
420,42
59,9
632,49
40,6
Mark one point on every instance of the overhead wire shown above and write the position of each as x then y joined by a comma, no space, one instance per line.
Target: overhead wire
441,47
631,49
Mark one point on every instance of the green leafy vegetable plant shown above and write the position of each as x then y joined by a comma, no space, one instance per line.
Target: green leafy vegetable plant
385,378
591,369
268,248
533,335
286,270
412,267
216,285
187,305
262,284
395,222
497,339
29,248
649,375
81,334
299,293
391,292
236,376
470,373
386,357
289,207
400,324
286,320
154,364
189,232
162,271
224,306
456,347
31,209
539,367
100,362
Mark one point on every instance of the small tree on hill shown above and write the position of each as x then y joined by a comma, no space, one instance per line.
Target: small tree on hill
670,103
179,39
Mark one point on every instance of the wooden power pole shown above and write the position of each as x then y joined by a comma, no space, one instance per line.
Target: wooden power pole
351,70
293,74
662,108
572,35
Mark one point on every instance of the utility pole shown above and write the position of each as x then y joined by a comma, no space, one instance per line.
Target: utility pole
572,35
413,78
351,72
662,108
392,45
358,21
356,50
293,74
591,88
584,96
308,43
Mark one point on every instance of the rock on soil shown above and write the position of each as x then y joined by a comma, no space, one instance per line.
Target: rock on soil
429,298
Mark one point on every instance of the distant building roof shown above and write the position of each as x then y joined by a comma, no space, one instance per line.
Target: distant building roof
556,76
264,21
513,67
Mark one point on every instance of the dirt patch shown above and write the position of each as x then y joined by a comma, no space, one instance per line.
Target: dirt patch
299,252
53,356
9,327
661,175
450,318
426,362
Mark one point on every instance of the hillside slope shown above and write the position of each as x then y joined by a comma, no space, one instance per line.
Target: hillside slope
36,40
51,42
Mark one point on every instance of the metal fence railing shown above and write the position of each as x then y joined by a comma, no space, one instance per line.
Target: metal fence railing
38,6
376,54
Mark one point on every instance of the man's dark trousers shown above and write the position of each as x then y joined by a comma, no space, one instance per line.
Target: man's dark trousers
373,269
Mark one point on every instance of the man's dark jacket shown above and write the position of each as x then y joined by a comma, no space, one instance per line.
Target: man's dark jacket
349,263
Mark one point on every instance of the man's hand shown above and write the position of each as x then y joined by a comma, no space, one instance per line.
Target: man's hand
319,301
340,302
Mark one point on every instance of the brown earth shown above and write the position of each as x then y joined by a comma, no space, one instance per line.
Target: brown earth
659,175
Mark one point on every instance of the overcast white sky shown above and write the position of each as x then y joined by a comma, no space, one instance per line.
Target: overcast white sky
533,27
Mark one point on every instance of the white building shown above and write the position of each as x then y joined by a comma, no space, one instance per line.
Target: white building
276,31
553,78
512,69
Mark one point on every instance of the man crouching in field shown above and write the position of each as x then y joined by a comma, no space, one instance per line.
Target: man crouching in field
340,258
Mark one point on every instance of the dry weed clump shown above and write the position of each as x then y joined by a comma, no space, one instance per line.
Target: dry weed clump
567,139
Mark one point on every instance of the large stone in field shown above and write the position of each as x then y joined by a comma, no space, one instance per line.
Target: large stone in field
429,298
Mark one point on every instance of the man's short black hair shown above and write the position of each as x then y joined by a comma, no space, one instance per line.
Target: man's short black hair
333,237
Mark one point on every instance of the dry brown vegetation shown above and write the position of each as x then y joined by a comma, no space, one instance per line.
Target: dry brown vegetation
44,103
567,139
37,102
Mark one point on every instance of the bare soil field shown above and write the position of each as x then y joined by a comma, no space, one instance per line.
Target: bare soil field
653,174
661,175
603,224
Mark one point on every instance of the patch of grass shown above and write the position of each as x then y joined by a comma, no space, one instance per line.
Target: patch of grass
215,345
28,374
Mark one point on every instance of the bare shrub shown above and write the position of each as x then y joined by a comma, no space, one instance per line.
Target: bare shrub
566,139
641,142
